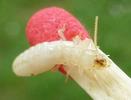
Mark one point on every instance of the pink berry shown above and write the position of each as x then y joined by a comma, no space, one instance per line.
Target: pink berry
44,25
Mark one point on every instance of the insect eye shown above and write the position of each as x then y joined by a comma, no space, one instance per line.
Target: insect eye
100,62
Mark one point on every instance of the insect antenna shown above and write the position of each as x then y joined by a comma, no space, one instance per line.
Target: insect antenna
96,31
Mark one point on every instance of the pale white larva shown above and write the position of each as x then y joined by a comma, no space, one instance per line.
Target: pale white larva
88,66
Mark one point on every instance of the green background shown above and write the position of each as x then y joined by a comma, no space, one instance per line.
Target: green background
114,39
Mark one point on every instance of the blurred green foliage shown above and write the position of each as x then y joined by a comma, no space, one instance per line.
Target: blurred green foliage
114,39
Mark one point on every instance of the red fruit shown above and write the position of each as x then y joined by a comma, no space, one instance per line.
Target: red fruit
44,25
